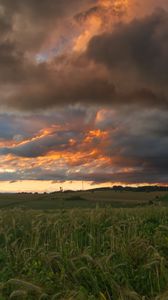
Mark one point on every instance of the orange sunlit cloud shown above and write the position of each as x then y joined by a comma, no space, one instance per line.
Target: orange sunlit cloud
99,20
92,27
77,156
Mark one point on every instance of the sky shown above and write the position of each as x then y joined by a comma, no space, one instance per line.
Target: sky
83,94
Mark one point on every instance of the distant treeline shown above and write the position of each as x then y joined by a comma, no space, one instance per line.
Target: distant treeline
116,188
146,188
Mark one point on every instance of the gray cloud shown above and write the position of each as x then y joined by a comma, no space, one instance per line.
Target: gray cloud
136,55
141,45
126,66
57,141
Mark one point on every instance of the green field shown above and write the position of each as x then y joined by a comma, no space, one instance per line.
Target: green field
84,254
85,199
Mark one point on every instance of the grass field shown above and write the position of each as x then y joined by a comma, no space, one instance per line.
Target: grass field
117,254
85,199
84,254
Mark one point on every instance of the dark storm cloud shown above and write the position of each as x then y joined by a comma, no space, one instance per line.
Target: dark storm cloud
141,45
48,11
136,55
130,63
137,142
11,63
5,26
46,85
133,177
44,8
25,27
32,20
27,85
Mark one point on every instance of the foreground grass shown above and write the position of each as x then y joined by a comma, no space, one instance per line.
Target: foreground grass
99,254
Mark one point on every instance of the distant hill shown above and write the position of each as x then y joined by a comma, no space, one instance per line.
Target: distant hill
146,188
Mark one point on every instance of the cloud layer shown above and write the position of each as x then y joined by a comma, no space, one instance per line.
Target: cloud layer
83,90
125,62
108,146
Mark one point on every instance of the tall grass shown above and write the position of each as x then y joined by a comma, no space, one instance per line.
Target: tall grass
101,254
